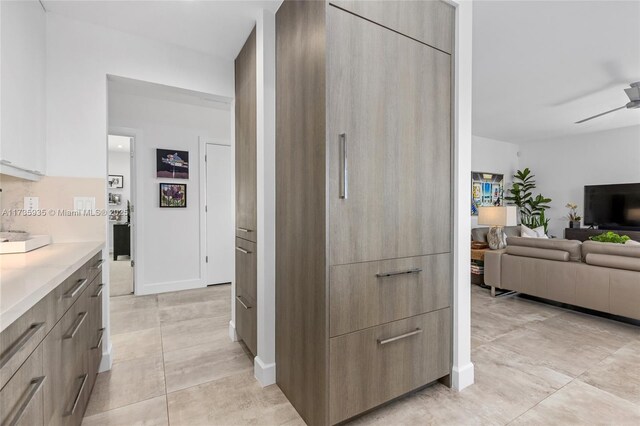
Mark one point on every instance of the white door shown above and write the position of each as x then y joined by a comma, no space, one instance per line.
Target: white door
219,214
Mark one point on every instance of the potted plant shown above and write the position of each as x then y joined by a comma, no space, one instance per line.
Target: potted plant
574,219
532,209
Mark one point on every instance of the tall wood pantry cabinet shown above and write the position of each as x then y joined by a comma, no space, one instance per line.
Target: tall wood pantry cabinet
246,198
363,211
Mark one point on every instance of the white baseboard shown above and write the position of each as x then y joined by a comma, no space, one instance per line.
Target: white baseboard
232,332
264,373
461,377
107,360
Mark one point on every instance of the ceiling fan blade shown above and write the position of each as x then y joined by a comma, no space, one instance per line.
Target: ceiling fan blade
600,115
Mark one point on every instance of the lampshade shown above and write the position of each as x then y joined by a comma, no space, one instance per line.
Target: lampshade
498,216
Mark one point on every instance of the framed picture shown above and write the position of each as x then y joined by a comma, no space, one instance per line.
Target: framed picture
116,181
487,189
115,199
171,163
173,195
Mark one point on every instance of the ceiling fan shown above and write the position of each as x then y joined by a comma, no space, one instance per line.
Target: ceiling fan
634,101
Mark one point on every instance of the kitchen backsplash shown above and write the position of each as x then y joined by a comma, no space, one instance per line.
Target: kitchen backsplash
55,215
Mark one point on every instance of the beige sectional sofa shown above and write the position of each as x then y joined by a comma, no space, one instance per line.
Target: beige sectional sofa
600,276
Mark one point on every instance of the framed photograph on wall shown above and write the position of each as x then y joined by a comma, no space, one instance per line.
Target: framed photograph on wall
115,181
487,189
172,164
173,195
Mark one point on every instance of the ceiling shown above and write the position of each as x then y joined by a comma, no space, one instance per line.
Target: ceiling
118,143
540,66
218,28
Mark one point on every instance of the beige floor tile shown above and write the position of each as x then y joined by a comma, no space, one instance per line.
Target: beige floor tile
233,400
132,303
120,277
126,383
618,374
204,363
184,334
136,344
188,311
581,404
134,320
152,412
218,292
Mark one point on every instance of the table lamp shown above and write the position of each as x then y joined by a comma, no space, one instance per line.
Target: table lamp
497,218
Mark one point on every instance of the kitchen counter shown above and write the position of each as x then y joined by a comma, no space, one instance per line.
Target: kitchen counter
26,278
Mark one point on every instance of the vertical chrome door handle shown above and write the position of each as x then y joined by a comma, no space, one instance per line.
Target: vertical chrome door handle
344,177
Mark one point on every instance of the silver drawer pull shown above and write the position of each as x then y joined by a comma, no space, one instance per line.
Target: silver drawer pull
72,293
35,386
402,336
344,174
98,264
244,230
244,305
241,250
76,326
100,335
99,292
19,344
391,274
77,398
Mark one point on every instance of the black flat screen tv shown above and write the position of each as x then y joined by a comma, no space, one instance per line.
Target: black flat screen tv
615,207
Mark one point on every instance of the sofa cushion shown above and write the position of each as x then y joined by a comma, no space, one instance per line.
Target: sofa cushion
610,248
612,261
538,253
570,246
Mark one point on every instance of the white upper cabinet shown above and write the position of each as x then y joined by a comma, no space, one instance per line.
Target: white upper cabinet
22,89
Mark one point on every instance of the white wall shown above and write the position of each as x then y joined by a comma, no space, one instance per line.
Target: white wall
79,57
169,251
563,166
493,156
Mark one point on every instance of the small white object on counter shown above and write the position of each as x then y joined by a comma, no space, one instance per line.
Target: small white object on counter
26,278
31,243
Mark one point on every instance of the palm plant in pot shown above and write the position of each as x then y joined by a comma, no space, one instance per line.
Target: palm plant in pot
532,209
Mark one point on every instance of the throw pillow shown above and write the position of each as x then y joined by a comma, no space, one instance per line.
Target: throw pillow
632,243
527,232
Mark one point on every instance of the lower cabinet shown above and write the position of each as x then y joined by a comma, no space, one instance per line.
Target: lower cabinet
246,293
50,377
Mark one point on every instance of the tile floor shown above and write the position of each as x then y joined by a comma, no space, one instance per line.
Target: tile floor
120,276
534,364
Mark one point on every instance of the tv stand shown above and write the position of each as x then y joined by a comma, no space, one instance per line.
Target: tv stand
583,234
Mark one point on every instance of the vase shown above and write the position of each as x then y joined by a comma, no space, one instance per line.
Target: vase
574,224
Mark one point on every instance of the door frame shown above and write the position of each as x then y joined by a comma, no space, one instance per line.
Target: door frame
135,136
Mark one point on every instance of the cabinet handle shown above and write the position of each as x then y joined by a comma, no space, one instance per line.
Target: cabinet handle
98,264
99,292
402,336
391,274
344,177
244,230
100,334
77,398
76,326
241,250
242,303
72,293
19,344
35,386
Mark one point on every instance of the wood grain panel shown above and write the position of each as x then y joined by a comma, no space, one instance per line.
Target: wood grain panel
360,299
391,97
21,397
246,269
301,288
366,373
246,322
431,22
246,116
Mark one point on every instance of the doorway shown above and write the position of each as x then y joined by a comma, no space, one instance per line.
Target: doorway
120,196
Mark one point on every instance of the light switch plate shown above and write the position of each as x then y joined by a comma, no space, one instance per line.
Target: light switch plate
84,203
31,203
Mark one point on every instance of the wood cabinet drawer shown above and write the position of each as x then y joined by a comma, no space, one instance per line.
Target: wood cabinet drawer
246,325
65,365
21,400
246,269
372,293
94,266
94,334
23,335
372,366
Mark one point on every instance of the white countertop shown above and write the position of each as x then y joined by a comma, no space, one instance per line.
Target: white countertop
26,278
